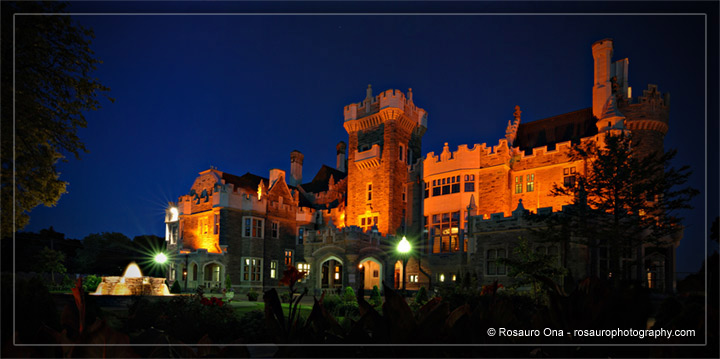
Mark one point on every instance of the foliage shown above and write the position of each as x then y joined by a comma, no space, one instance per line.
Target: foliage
421,296
91,282
51,90
51,261
349,295
291,275
212,301
228,283
527,266
375,298
625,199
175,288
252,295
105,253
286,297
34,309
332,302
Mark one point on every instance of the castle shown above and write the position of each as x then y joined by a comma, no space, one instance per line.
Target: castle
462,209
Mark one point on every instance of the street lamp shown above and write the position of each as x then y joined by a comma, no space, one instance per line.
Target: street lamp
404,248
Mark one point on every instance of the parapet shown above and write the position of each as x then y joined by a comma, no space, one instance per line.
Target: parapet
388,99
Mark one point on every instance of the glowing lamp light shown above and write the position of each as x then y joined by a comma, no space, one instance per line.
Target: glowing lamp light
403,246
160,258
173,214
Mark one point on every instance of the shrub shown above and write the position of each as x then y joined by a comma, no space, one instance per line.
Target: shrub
175,289
375,298
331,302
228,283
91,282
285,297
421,297
347,309
252,295
349,295
253,328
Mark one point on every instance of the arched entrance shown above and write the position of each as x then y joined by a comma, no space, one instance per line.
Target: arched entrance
370,273
212,274
398,274
331,276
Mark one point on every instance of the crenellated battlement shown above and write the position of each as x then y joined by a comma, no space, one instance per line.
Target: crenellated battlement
388,99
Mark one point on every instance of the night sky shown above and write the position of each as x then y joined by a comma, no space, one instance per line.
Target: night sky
241,92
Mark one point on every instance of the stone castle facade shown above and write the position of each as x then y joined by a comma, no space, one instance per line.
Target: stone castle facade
462,209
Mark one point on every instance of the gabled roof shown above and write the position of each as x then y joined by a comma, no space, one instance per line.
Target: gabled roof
248,181
320,182
571,126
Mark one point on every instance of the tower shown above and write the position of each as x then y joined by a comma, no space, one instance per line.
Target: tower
385,134
602,51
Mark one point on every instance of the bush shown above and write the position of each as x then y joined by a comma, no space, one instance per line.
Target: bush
252,295
331,302
285,297
91,282
175,289
349,295
375,298
347,309
421,297
253,328
228,283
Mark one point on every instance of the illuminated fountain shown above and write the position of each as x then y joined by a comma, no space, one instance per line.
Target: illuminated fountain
132,282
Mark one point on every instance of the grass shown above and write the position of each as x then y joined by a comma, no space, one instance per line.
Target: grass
242,307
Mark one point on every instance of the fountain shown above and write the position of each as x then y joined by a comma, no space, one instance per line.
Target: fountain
132,282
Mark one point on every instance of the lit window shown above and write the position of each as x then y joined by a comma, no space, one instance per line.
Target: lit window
518,184
337,272
367,222
253,227
252,269
304,267
275,229
288,257
530,182
273,269
444,232
413,279
442,277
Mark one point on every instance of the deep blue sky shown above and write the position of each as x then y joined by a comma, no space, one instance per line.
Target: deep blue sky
241,92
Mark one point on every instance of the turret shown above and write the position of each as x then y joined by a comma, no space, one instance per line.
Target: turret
602,87
296,164
341,156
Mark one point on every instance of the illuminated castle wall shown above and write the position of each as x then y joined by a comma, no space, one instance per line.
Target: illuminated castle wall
342,225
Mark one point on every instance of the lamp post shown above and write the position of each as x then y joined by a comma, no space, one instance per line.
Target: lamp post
404,248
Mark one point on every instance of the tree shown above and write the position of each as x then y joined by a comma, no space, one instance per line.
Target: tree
624,200
49,260
530,267
46,86
105,253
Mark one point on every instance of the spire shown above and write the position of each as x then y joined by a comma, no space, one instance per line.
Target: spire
368,97
512,128
409,95
472,208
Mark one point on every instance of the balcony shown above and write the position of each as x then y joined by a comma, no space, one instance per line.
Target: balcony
369,158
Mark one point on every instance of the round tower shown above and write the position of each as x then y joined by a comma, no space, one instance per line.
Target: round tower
647,120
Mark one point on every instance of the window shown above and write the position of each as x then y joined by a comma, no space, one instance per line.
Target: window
530,180
518,184
401,151
441,277
493,265
413,279
367,222
301,232
369,192
569,177
216,226
273,269
376,273
252,268
404,194
469,183
253,227
275,229
204,225
427,189
443,186
288,257
304,267
443,231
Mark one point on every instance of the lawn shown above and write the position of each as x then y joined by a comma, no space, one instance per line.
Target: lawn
241,307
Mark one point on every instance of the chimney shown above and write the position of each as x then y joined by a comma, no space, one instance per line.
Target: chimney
341,157
296,162
275,174
602,88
